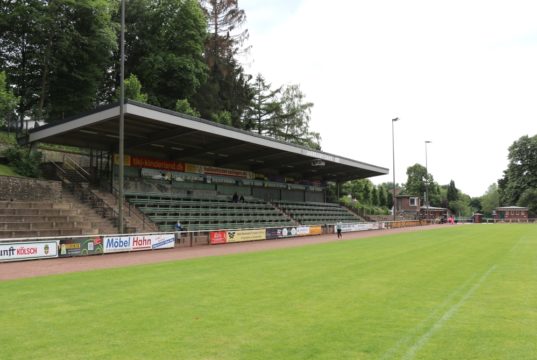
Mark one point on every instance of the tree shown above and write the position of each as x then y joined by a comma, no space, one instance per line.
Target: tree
264,107
183,106
164,48
417,178
292,124
490,200
8,101
227,87
383,201
56,53
133,89
452,192
389,200
81,40
374,196
22,29
521,173
529,199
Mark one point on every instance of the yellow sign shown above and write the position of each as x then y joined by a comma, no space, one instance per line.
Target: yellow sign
246,235
316,230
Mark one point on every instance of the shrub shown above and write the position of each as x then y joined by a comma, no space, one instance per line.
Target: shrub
24,161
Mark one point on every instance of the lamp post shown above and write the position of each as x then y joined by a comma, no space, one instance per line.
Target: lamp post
121,120
393,157
426,181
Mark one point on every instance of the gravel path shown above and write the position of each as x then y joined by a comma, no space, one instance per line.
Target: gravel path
26,269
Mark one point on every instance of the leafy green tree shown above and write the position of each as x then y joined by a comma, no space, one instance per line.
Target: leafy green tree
8,101
183,106
417,181
490,200
475,203
529,199
56,54
133,89
521,173
164,48
22,42
80,41
416,178
222,117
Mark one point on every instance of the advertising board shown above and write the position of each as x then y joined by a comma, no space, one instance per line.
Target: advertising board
218,237
358,227
245,235
138,242
281,232
28,250
81,246
303,230
316,230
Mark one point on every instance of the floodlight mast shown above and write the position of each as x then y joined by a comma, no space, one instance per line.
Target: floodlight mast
393,157
427,180
121,120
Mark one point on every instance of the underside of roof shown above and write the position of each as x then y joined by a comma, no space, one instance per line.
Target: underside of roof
155,132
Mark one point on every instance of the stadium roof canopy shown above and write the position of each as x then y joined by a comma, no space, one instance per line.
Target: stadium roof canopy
155,132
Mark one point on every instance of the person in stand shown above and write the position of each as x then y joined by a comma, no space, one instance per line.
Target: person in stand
241,199
235,198
178,228
338,229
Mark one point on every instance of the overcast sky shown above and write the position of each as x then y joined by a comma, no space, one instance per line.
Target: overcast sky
462,74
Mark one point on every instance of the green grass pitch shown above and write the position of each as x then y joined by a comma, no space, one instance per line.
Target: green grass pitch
460,292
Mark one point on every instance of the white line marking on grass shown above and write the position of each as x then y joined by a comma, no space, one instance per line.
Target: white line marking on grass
447,315
432,315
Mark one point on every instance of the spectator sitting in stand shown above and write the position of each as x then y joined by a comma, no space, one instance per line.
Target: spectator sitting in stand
235,198
241,199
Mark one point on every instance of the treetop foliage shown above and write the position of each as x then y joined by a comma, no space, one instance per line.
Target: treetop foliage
62,57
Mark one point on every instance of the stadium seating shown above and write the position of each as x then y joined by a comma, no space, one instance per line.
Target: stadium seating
309,213
207,212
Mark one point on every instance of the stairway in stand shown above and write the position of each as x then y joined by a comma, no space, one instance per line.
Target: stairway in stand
64,217
135,220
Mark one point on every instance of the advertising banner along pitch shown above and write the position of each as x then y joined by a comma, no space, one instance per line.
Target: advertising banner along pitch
81,246
218,237
138,242
26,250
245,235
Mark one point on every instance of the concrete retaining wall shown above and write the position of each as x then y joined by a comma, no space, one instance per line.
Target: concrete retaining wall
24,189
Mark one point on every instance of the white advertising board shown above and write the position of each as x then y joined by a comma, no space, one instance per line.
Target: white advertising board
138,242
28,250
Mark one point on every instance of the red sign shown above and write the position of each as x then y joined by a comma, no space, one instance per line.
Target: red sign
138,161
218,237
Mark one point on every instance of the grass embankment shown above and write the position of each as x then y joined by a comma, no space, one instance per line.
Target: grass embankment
461,292
7,171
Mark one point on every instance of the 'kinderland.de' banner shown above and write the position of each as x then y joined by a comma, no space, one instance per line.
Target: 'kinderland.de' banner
28,250
138,242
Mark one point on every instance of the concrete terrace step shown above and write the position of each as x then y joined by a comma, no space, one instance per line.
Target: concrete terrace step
48,225
35,205
6,234
39,211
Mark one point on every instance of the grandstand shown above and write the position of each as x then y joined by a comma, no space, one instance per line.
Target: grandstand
183,168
